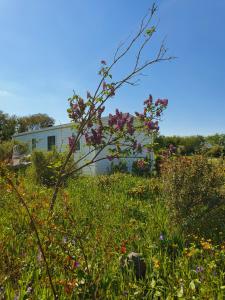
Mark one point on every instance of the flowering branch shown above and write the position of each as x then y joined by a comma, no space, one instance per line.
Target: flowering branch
86,114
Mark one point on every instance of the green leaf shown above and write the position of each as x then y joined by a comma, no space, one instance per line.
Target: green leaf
192,285
150,31
180,293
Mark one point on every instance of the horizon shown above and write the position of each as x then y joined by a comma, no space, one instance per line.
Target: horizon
46,55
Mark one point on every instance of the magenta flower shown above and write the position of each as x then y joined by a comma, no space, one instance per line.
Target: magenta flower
104,86
76,264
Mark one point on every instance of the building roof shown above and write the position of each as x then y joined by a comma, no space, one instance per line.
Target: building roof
43,129
49,128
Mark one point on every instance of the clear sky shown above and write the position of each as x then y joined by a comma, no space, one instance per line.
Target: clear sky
48,48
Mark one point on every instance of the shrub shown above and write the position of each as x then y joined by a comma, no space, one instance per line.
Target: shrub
46,166
216,151
193,192
120,167
142,167
6,149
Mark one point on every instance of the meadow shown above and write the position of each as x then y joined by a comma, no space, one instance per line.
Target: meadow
174,221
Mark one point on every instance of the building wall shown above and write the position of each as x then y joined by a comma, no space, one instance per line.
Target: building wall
61,142
104,166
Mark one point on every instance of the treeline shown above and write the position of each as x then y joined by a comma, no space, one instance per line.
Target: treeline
211,145
12,124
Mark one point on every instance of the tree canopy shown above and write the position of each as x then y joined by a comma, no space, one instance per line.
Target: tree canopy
11,124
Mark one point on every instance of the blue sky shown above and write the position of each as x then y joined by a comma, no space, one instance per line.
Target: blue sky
51,47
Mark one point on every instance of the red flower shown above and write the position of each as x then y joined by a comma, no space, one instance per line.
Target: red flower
123,249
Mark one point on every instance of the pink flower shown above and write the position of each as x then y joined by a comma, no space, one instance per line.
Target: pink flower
104,86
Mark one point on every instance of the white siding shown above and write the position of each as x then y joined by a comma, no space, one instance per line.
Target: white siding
62,133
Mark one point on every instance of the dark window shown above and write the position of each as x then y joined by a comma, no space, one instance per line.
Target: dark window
34,144
51,142
78,146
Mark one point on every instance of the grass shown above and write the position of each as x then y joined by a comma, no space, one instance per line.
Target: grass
97,223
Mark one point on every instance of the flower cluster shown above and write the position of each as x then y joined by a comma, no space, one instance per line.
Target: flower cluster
77,108
94,137
152,113
121,122
141,163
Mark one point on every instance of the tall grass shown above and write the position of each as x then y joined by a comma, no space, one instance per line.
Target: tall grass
97,223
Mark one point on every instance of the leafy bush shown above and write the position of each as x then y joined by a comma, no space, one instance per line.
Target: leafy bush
46,166
142,167
6,149
120,167
193,191
216,151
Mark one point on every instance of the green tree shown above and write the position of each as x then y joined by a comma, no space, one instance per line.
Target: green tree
34,122
7,126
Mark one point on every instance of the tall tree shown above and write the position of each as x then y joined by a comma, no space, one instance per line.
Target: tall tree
7,126
34,122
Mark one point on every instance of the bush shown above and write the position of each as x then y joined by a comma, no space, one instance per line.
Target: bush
120,167
6,149
193,192
216,151
46,166
142,167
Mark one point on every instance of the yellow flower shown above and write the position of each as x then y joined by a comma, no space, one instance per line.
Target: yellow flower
206,245
156,262
191,252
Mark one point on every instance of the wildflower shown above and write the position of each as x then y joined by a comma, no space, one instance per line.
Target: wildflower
76,264
206,245
123,249
199,269
161,237
192,252
104,86
39,256
103,62
156,262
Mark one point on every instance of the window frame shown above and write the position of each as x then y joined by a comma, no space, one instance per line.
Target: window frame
50,145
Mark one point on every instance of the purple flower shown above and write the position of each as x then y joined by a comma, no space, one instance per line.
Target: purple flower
199,269
104,86
76,264
103,62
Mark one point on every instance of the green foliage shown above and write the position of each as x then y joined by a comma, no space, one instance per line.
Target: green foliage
6,149
7,126
212,145
46,166
215,151
96,223
34,122
120,167
186,145
193,191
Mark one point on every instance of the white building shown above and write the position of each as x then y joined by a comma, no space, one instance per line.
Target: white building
58,136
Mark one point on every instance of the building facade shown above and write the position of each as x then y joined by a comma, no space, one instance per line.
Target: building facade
58,137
